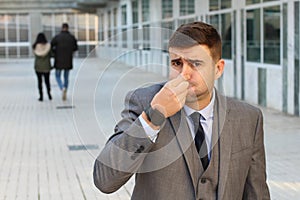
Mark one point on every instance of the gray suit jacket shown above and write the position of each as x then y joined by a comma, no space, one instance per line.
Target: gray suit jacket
166,169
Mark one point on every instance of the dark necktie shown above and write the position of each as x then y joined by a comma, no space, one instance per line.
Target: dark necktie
200,139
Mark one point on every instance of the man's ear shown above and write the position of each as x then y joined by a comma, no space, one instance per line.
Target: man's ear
219,68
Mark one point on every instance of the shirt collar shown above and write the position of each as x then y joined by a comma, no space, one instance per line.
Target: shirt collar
206,112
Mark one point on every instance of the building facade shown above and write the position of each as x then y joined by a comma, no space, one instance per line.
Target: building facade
22,20
260,42
260,38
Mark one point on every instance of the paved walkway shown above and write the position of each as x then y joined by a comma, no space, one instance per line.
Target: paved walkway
41,152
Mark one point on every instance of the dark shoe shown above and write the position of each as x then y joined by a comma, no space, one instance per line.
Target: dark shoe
50,97
41,95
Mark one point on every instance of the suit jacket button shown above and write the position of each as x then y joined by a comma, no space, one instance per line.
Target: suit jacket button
203,180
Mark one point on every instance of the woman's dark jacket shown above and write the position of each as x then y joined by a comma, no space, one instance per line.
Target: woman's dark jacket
42,54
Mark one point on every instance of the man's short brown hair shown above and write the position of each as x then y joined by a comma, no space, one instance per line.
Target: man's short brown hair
195,33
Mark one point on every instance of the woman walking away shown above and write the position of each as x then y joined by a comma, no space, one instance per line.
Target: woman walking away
42,64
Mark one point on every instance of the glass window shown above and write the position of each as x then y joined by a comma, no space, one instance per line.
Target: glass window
219,4
115,25
296,56
135,13
124,38
226,35
12,29
109,19
109,35
101,32
24,52
115,16
91,49
24,28
262,86
268,0
81,28
109,31
187,7
297,30
146,37
253,35
223,24
82,50
214,21
225,4
213,5
2,52
167,9
2,29
59,19
168,29
124,16
47,25
185,21
92,27
272,35
12,52
135,36
249,2
145,10
71,22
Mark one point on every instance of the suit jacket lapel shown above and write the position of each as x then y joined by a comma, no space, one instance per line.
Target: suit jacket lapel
221,125
184,138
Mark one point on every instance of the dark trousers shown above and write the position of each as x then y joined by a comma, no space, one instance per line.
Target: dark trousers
46,76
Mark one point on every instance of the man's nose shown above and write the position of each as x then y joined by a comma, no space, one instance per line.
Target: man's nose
186,70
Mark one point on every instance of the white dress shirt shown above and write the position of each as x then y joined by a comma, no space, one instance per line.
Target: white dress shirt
206,120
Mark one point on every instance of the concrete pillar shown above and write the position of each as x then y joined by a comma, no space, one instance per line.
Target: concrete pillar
35,27
238,56
129,25
291,57
156,35
176,12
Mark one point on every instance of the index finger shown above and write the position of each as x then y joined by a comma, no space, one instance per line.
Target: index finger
176,81
180,88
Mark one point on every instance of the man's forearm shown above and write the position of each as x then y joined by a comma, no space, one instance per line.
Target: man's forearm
121,157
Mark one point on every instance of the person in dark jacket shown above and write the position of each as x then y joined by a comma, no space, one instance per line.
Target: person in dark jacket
63,45
42,64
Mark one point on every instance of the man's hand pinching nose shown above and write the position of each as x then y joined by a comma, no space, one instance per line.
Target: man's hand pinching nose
171,98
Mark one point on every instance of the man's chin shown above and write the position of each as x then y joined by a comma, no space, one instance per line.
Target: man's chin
191,99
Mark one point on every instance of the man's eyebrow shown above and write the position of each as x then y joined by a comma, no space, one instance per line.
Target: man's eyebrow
176,59
193,61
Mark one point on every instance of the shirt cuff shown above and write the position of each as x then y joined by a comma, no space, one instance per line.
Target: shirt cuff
150,132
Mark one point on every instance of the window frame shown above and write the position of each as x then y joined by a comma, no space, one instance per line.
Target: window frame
261,7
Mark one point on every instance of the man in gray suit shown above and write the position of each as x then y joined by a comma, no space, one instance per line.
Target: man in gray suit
183,139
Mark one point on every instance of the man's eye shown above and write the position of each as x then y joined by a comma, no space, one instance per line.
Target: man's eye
176,64
197,64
